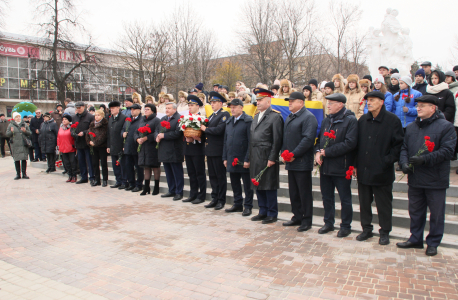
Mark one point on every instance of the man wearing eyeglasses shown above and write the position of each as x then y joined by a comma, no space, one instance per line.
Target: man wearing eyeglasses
429,172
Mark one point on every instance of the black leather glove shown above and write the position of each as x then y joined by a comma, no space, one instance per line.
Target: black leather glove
417,160
406,169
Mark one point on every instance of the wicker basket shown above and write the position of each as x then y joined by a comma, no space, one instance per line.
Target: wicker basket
192,133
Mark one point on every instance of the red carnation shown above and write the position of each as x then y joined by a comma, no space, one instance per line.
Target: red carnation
287,156
191,118
236,162
427,138
206,120
184,126
128,120
255,183
199,119
181,117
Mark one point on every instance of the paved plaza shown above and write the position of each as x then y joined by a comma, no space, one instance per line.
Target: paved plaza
66,241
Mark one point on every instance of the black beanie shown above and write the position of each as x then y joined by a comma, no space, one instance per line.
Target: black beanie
455,68
314,82
330,84
368,77
68,117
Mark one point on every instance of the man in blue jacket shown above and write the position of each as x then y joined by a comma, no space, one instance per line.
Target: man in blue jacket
299,137
335,160
236,146
429,172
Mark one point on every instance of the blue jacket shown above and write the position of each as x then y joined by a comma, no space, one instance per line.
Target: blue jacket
409,116
388,102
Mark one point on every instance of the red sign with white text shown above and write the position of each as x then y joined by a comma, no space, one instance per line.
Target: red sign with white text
19,50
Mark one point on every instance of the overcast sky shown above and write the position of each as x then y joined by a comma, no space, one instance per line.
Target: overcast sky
433,24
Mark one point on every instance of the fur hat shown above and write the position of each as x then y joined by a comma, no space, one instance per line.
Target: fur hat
16,114
202,95
232,94
149,97
182,94
342,81
168,98
283,82
138,96
338,77
323,84
365,82
353,78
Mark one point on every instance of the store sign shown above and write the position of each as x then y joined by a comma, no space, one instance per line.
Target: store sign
40,84
19,50
64,55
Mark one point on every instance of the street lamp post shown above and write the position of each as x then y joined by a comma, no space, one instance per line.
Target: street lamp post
122,88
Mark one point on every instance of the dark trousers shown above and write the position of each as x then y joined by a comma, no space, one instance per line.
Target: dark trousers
120,174
267,202
218,179
175,177
31,154
328,185
69,161
38,154
237,189
195,164
419,201
85,163
51,160
2,144
131,167
300,195
383,195
99,159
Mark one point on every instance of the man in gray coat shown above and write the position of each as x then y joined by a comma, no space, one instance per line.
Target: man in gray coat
265,144
299,138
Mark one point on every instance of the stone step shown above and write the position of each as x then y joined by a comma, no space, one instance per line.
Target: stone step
400,216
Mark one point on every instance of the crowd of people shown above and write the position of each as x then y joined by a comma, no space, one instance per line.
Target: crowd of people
369,125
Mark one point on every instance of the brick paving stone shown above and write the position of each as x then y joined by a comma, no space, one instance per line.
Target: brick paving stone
67,241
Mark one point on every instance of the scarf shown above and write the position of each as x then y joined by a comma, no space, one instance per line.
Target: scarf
434,89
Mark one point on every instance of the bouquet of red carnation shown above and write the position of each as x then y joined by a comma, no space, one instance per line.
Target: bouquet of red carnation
287,156
256,180
58,163
92,136
331,135
73,126
128,122
237,162
427,146
349,173
165,125
144,130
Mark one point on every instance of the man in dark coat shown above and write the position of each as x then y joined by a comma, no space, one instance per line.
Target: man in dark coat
298,138
236,146
35,126
84,119
380,137
115,144
214,137
335,160
429,180
195,158
171,151
48,141
265,144
130,149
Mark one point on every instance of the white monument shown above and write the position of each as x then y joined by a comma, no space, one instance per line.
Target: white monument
390,45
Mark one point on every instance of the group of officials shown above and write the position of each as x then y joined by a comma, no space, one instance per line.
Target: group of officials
247,147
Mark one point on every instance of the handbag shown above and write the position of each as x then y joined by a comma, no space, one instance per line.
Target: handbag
27,142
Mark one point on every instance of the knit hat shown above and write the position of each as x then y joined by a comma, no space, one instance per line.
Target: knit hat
407,80
68,117
129,99
379,78
307,87
396,76
322,84
393,71
47,114
314,82
420,72
200,86
16,114
455,68
368,77
330,84
451,73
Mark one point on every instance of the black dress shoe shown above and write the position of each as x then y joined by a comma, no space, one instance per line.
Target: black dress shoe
115,186
123,187
384,239
408,245
211,204
82,181
343,232
64,172
168,194
219,206
325,229
303,228
35,160
189,199
431,251
198,201
136,189
234,208
364,236
17,177
130,188
246,212
258,218
177,197
104,183
95,183
269,220
292,223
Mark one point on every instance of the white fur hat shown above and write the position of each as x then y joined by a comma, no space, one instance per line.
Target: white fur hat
323,83
16,114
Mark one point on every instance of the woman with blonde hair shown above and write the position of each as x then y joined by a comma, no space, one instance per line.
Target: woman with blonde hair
182,101
285,89
150,99
99,147
163,99
202,98
354,95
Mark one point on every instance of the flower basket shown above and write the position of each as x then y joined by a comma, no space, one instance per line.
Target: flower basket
192,133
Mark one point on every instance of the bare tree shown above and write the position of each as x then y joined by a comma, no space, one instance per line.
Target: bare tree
59,20
454,52
3,8
144,51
